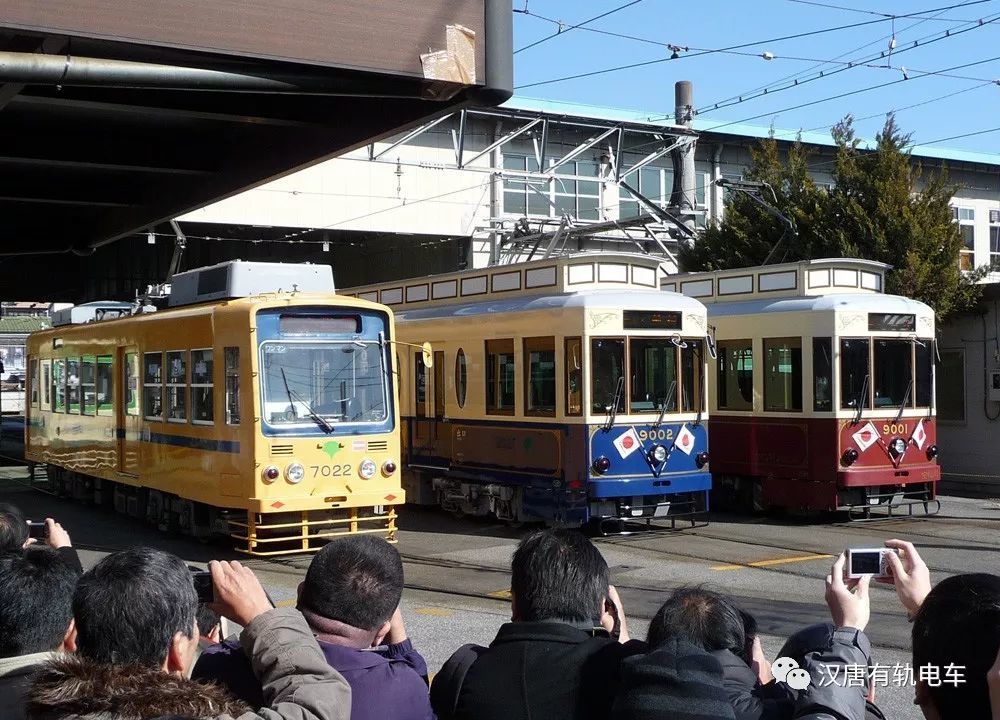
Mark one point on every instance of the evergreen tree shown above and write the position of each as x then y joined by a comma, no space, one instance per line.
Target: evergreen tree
881,207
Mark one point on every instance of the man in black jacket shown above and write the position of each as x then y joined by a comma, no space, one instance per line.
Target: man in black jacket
557,659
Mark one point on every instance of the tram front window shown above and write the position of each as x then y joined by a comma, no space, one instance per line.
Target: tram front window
893,372
691,366
607,360
854,377
323,383
653,375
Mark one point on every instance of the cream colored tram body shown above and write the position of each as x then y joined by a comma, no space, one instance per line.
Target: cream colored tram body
565,390
823,392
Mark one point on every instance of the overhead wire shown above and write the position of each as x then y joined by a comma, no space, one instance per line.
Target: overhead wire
859,10
562,30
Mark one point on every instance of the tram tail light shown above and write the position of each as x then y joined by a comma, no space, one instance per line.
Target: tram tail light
702,459
601,465
932,452
850,457
388,468
271,473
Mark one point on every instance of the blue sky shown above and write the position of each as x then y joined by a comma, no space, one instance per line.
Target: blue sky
972,103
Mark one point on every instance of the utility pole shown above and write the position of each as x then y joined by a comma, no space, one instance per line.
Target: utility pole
682,197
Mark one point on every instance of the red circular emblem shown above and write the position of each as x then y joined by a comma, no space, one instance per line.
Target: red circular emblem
685,441
628,442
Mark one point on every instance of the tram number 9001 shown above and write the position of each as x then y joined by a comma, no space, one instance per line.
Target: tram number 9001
895,429
661,434
330,470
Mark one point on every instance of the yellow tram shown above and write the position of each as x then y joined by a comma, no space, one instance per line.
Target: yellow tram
260,404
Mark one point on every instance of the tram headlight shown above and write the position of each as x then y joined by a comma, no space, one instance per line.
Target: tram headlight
295,473
658,454
388,467
601,465
270,473
367,469
897,447
850,457
702,459
932,452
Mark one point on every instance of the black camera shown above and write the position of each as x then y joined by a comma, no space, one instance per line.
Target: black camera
203,585
38,530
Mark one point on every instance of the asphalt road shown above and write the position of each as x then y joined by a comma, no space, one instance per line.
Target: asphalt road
457,570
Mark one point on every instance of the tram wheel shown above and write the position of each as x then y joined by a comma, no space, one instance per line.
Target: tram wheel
756,492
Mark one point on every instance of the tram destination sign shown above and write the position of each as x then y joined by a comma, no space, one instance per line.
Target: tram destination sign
651,320
892,322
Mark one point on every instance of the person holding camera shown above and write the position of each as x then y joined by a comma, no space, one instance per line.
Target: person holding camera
557,658
135,618
18,533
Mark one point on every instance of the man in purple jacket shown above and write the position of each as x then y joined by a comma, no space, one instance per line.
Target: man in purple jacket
350,598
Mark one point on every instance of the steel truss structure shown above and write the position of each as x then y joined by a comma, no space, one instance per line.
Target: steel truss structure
656,231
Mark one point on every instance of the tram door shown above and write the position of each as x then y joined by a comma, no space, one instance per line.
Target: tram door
127,411
429,435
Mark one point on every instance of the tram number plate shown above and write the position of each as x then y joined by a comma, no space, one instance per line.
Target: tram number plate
661,434
330,470
895,429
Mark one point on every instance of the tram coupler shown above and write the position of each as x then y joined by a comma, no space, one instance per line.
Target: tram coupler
885,506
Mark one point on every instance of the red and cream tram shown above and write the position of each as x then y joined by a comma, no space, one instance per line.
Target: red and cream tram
823,394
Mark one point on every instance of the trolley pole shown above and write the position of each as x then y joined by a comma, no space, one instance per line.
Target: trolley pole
682,197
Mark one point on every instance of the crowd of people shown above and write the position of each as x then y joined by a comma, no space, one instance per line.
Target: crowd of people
129,640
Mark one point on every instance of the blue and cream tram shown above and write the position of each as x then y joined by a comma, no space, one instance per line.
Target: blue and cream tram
565,390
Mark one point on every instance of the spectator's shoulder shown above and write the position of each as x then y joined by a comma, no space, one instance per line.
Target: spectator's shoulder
226,654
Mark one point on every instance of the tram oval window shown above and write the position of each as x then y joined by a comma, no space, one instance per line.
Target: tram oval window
461,377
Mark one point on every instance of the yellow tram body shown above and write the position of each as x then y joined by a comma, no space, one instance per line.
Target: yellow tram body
163,416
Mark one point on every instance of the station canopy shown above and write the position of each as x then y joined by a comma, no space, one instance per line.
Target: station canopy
115,117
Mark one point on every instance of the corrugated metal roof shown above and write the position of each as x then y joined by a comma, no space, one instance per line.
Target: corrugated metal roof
15,325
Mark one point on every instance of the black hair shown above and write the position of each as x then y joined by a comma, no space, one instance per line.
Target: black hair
131,604
356,580
13,528
959,624
36,601
207,619
704,618
559,575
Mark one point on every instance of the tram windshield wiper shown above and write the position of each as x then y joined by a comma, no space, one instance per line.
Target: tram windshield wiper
295,397
906,399
615,403
666,403
859,401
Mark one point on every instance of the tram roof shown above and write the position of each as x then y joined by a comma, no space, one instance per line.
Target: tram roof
840,302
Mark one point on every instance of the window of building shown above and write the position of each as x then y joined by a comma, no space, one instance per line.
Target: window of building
46,384
966,219
131,380
691,382
893,373
420,384
73,386
580,198
574,376
202,387
232,355
655,183
152,386
822,374
855,382
783,374
461,378
521,195
59,385
34,382
500,377
177,386
105,385
540,371
88,384
735,375
565,193
951,386
995,239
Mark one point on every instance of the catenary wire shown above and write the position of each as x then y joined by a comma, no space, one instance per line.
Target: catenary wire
563,30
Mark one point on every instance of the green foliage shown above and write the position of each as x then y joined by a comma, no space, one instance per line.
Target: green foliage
881,207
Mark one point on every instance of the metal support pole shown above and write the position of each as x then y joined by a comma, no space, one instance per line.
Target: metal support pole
683,197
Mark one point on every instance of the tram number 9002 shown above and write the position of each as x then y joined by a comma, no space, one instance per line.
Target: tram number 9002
661,434
330,470
895,429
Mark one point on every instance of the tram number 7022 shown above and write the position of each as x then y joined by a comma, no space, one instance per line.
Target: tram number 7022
660,434
330,470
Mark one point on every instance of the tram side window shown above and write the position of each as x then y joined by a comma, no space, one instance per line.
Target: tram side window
691,383
607,361
822,374
735,375
893,372
540,369
202,387
105,385
854,378
73,386
46,384
461,378
653,374
439,395
500,377
420,384
177,386
574,376
131,379
152,386
233,385
88,384
924,381
34,382
783,374
59,385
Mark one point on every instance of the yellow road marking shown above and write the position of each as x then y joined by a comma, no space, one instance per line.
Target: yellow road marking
499,594
436,612
775,561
